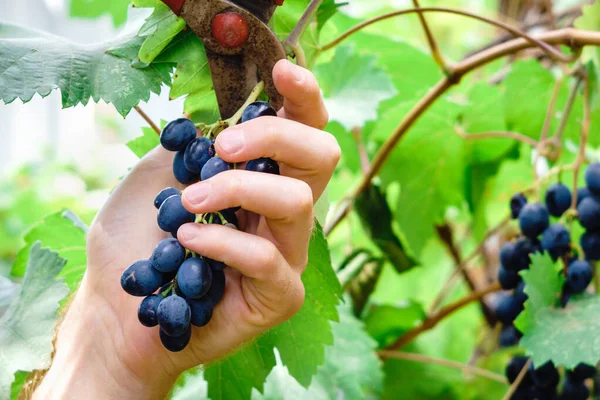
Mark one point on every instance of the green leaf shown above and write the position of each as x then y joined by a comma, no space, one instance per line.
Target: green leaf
326,10
26,328
353,86
300,341
352,369
8,291
376,219
59,233
483,115
160,28
142,145
117,9
17,385
35,62
385,323
431,175
543,285
248,368
565,336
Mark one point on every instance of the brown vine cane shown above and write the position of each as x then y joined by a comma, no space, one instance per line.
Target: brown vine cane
236,63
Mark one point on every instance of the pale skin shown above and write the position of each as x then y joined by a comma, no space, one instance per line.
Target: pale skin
102,351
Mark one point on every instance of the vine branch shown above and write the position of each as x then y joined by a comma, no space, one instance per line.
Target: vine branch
487,135
572,37
447,237
146,118
432,320
435,50
567,112
517,382
399,355
551,51
585,129
294,37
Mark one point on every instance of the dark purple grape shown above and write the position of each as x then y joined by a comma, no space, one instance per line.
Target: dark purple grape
194,278
519,293
213,167
579,276
172,214
176,343
517,202
174,315
168,255
197,153
181,173
592,178
217,287
148,309
589,213
509,336
582,372
178,134
574,390
590,243
141,279
508,308
258,109
202,310
165,194
265,165
508,278
556,240
545,375
514,367
582,193
558,199
534,219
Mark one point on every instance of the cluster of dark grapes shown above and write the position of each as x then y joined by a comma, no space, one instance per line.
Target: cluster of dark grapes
539,235
542,382
181,288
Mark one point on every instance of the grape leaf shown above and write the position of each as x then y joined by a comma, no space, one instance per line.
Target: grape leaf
160,28
353,87
8,290
300,341
17,385
385,323
26,328
326,10
482,115
192,75
117,9
141,145
351,371
35,62
248,368
565,336
543,285
431,176
59,233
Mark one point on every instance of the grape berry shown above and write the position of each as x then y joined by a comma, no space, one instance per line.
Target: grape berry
181,288
540,235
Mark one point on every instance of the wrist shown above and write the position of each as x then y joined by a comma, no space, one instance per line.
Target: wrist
87,363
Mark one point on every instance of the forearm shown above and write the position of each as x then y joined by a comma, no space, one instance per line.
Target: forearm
86,363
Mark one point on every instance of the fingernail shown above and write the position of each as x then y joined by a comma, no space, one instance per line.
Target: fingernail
232,140
197,193
297,72
188,232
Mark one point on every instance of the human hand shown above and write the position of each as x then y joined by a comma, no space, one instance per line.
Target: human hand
101,347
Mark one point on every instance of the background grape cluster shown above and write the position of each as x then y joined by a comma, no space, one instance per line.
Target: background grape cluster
539,235
181,288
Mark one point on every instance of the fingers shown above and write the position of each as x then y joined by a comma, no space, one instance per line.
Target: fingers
286,203
307,153
274,291
302,97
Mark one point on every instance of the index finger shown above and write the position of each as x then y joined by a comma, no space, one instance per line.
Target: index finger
302,96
